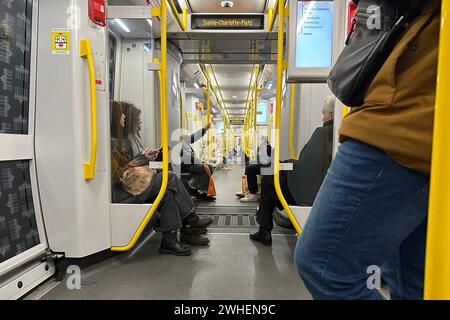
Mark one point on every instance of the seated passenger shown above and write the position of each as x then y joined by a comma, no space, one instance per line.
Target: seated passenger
134,182
252,170
300,185
199,179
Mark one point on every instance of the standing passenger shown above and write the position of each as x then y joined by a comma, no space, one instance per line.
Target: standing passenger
371,211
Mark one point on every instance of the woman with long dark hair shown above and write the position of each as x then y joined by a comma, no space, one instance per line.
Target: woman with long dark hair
134,182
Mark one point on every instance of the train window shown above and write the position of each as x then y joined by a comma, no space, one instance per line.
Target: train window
18,227
112,65
134,95
15,59
262,116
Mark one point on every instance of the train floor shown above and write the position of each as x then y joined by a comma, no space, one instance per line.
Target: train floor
231,267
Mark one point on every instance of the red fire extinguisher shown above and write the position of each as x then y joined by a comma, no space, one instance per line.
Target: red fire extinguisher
97,12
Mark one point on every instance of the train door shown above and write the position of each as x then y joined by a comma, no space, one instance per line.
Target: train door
23,241
72,128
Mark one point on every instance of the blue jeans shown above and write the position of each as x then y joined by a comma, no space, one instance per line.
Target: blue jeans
369,213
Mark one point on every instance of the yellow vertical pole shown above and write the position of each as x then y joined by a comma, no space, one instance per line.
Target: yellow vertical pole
162,12
291,123
278,117
437,267
345,111
208,110
255,117
187,120
269,129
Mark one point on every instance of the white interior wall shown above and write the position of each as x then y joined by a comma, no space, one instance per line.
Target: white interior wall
309,101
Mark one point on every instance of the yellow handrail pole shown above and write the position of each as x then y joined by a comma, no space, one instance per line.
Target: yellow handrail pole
184,17
86,53
164,133
255,143
269,129
291,123
187,120
437,266
345,111
273,14
278,118
208,111
181,22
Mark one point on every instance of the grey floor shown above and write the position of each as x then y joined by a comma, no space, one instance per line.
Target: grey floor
231,267
227,184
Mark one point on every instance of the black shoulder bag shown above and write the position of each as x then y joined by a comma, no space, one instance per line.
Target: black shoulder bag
376,29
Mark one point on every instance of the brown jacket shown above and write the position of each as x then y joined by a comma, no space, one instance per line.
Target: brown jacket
398,111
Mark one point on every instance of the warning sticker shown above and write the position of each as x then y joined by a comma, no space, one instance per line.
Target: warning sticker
60,41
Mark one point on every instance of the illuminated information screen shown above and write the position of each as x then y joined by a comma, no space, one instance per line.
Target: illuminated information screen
314,34
200,21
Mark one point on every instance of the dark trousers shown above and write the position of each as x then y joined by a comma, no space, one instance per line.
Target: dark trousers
269,200
252,171
200,178
176,203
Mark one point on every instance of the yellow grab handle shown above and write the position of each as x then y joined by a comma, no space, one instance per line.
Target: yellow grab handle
278,118
182,22
164,133
86,53
437,265
291,123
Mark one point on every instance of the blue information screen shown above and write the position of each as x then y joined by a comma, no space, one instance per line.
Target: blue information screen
314,34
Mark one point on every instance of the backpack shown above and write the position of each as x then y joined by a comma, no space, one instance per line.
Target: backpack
376,29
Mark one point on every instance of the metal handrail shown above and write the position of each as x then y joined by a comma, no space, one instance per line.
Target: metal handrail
164,134
86,53
437,266
181,22
291,123
278,120
273,15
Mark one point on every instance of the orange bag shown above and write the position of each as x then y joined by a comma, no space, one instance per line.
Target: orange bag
244,185
211,187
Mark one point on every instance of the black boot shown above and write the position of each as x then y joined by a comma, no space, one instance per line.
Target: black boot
262,236
194,231
193,239
170,245
194,222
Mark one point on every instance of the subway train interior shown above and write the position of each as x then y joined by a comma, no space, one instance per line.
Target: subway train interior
168,80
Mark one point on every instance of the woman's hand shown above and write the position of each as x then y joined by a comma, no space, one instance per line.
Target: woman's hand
208,125
150,154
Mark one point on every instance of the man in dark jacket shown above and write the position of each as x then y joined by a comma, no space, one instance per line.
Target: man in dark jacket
253,170
300,185
198,180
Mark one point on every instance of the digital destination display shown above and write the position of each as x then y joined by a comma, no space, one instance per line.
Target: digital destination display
314,34
200,21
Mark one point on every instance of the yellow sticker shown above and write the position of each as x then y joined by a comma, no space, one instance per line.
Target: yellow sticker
60,41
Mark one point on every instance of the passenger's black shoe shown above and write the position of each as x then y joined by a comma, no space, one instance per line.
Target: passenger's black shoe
193,221
204,196
171,245
194,231
262,236
193,239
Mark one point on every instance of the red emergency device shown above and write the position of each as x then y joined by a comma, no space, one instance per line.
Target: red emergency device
97,12
351,15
